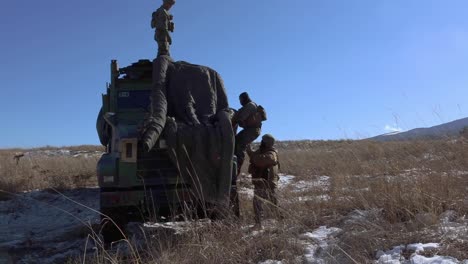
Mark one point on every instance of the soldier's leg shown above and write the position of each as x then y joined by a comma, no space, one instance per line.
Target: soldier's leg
245,137
273,201
163,48
257,206
234,197
240,147
259,199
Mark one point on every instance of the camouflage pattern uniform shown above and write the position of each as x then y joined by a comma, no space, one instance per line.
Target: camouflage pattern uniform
244,117
264,164
162,23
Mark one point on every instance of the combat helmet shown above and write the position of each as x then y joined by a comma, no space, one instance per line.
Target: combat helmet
268,140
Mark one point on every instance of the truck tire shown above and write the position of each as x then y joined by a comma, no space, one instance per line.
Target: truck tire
110,229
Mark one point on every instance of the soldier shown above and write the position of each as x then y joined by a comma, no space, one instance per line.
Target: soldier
247,118
264,164
162,22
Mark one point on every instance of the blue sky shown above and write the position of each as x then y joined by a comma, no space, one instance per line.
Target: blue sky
323,69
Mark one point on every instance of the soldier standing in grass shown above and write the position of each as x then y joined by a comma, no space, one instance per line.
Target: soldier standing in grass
264,164
162,23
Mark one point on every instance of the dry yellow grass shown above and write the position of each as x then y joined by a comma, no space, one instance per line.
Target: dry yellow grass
42,171
401,188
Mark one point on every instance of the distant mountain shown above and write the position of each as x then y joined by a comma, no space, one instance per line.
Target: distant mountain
436,132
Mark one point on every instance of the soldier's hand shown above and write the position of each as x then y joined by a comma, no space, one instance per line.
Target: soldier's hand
171,17
249,148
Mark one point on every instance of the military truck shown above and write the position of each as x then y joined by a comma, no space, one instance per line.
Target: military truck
135,184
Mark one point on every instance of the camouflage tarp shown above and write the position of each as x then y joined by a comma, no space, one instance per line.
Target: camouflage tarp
199,131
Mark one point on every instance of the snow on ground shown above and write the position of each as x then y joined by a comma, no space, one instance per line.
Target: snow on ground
395,255
322,182
47,226
316,183
271,262
249,192
322,197
316,245
285,180
178,227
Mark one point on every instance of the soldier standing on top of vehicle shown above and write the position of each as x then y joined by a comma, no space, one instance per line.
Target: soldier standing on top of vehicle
264,165
250,118
162,23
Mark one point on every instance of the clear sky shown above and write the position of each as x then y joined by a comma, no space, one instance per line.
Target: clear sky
323,69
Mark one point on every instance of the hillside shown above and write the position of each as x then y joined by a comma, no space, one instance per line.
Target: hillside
445,130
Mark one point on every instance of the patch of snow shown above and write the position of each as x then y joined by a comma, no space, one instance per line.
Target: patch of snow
395,255
271,262
322,182
322,197
419,247
459,173
246,191
285,180
454,230
322,233
418,259
310,254
251,231
431,157
317,242
448,216
359,216
178,227
392,256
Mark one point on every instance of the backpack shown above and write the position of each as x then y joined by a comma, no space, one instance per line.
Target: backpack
255,119
262,113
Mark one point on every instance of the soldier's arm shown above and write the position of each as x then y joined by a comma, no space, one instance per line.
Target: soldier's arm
244,113
265,160
249,150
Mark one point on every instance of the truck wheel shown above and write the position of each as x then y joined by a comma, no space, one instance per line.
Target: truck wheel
110,230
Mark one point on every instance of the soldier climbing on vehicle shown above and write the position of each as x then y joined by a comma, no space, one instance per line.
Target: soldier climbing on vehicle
162,23
250,118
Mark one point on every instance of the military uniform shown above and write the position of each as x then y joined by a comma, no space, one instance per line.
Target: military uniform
264,164
252,127
162,22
